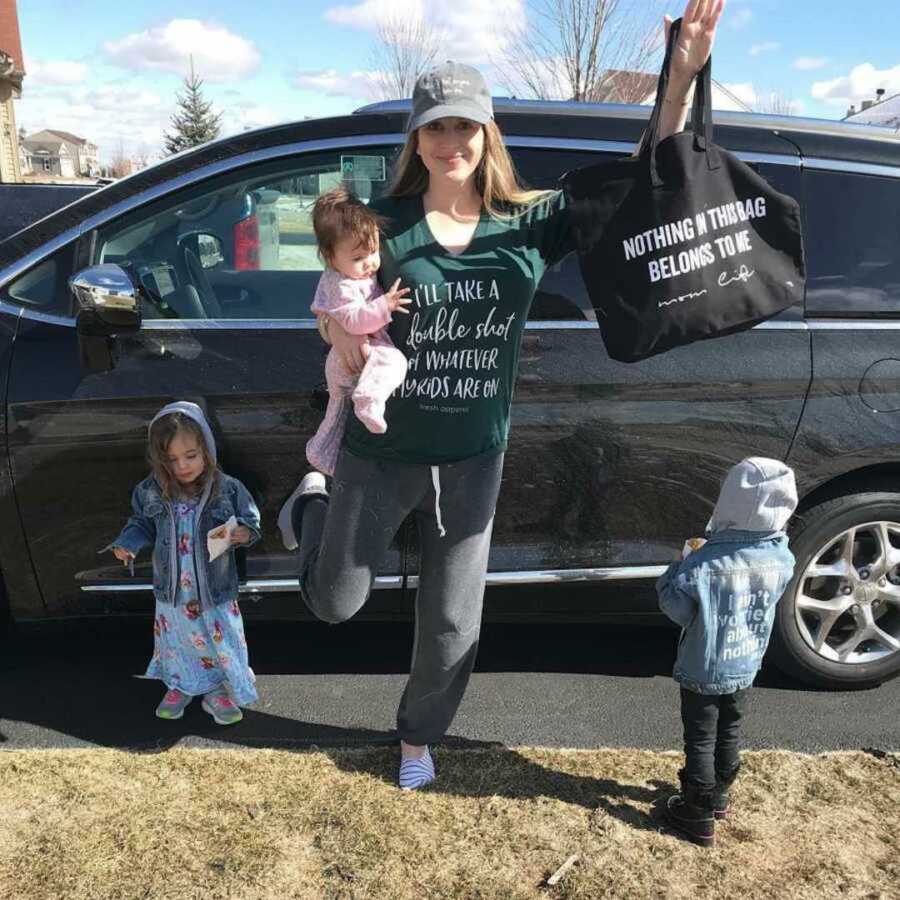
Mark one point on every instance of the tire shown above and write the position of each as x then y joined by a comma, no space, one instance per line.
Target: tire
845,587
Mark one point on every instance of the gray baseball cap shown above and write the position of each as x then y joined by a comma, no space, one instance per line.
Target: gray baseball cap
450,89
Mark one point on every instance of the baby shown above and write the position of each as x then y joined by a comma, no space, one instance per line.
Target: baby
347,232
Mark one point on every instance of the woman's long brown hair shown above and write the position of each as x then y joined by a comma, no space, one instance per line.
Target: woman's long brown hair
495,178
162,433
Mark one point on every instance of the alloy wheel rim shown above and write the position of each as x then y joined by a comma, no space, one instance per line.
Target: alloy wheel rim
847,600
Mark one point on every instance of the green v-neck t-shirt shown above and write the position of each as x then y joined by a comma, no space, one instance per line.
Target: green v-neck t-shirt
462,335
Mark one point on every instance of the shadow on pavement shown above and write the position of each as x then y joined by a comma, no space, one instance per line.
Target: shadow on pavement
78,678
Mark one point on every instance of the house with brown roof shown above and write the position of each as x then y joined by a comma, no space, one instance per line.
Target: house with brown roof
64,146
51,157
628,86
12,71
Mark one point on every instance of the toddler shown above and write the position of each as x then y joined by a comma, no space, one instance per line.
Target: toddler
347,232
199,647
724,594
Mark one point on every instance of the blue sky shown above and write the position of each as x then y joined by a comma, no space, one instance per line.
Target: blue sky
109,70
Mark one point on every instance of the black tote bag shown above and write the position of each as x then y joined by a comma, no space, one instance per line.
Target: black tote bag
682,241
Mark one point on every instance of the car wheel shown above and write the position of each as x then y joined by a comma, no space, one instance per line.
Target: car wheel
838,623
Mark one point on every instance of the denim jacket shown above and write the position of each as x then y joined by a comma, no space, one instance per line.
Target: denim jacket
724,596
152,522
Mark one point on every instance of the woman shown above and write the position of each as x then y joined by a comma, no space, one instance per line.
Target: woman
472,247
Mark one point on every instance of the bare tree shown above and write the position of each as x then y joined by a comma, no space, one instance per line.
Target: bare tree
141,158
404,48
776,103
589,50
119,164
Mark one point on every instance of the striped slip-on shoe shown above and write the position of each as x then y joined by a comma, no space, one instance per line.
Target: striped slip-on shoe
416,773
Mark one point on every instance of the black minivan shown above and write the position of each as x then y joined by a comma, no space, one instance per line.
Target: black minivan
610,466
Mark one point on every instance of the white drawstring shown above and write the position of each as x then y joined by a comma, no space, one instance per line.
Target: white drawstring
436,481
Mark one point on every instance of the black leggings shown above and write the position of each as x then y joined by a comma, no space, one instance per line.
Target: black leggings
711,736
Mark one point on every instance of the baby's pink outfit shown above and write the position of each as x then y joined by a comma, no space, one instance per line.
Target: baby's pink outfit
359,307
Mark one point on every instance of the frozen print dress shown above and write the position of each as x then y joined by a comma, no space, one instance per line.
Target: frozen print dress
199,647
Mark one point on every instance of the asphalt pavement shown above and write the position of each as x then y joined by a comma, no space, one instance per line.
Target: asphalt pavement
327,686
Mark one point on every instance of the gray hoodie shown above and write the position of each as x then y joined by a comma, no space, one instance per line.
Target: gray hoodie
192,411
724,594
758,494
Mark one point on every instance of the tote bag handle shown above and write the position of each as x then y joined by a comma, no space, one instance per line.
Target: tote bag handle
701,113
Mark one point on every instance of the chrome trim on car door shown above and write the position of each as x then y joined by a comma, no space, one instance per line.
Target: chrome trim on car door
310,325
844,165
853,324
228,324
388,582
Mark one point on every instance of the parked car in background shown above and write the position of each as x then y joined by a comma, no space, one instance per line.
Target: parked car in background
610,466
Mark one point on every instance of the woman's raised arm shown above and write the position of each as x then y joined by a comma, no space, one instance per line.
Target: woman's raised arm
695,41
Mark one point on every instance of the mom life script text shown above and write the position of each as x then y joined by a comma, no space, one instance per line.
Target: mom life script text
710,224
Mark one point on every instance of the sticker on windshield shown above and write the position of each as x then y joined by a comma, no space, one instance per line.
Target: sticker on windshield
371,167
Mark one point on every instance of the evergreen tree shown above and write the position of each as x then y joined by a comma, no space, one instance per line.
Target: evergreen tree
194,122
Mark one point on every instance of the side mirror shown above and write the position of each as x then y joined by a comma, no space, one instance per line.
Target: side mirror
108,301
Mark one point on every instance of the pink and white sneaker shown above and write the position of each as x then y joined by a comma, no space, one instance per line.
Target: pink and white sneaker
222,708
173,704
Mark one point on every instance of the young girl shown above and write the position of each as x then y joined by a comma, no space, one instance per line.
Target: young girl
347,233
198,644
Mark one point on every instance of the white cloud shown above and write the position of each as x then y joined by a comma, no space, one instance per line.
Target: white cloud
808,63
470,30
115,98
358,84
743,91
244,114
765,47
104,114
740,19
860,84
476,29
219,54
368,14
52,72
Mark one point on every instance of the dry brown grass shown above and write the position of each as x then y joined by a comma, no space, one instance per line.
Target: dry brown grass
272,824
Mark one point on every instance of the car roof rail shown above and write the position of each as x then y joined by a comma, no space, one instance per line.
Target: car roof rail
766,121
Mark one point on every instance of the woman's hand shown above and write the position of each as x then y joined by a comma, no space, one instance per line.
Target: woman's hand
353,349
122,555
689,56
695,39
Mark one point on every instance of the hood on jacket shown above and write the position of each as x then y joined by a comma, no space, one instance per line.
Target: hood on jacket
758,494
192,411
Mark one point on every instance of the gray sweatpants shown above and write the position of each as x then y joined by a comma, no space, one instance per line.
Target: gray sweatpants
342,543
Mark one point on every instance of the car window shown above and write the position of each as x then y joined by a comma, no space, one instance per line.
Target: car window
44,286
852,237
561,295
240,246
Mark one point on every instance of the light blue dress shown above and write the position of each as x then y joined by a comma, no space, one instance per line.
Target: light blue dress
199,647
